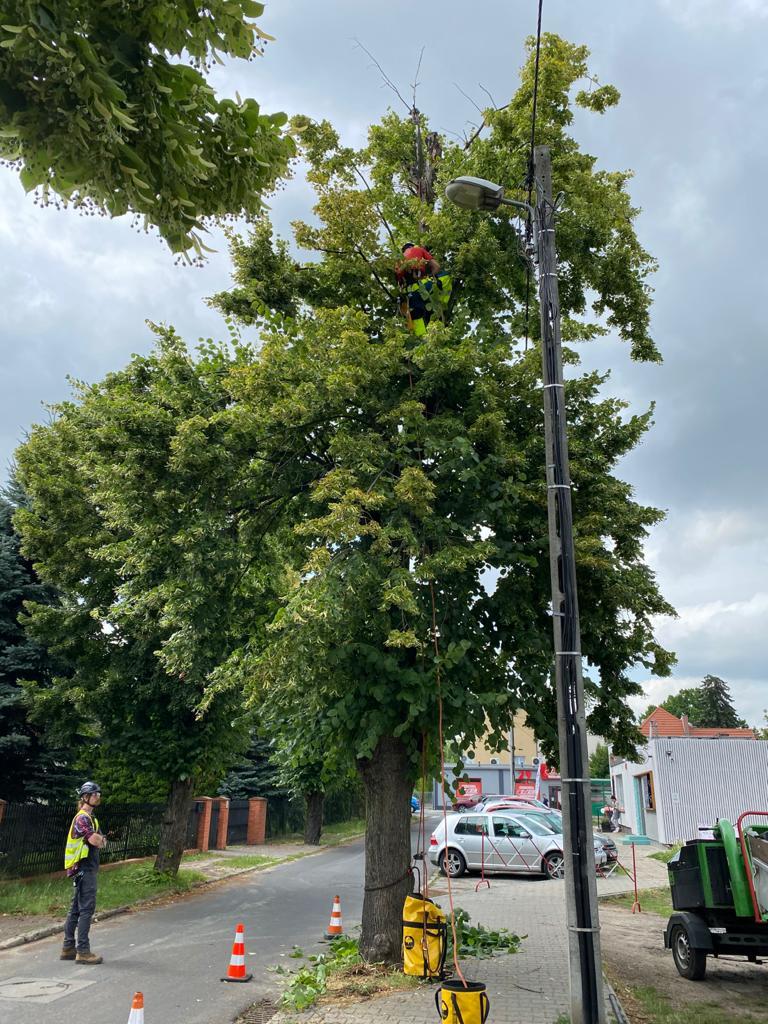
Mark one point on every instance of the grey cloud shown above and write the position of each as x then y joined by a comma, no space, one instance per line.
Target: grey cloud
691,74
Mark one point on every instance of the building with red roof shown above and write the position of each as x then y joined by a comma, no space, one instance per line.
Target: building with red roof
661,722
687,777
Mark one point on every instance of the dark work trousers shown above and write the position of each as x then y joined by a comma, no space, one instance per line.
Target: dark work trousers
81,911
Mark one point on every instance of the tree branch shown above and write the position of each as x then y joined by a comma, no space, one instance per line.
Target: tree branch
384,75
376,205
381,284
468,97
416,82
472,138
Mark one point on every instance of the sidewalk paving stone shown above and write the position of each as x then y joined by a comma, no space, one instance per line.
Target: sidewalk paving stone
528,987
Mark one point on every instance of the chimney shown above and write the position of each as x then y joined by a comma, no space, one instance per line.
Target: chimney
686,726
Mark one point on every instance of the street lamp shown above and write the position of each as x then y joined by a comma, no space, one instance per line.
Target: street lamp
480,194
587,1002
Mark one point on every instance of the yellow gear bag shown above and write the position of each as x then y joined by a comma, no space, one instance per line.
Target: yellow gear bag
462,1004
425,936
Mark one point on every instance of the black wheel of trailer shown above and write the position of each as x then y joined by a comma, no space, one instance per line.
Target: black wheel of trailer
690,962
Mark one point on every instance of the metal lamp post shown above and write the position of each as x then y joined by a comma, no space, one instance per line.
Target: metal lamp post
587,1002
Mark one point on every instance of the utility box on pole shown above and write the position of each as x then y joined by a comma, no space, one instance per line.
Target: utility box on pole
587,999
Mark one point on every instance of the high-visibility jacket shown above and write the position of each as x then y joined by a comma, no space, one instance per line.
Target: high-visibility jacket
427,298
77,848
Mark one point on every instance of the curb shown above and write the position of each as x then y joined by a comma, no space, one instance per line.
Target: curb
54,929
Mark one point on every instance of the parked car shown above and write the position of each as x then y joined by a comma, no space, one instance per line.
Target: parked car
554,819
511,803
501,798
500,841
415,805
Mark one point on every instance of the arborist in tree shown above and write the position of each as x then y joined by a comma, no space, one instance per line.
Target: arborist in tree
81,862
426,288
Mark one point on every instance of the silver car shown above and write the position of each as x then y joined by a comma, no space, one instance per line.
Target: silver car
499,841
554,820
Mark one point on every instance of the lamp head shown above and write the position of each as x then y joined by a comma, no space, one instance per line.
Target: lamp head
475,193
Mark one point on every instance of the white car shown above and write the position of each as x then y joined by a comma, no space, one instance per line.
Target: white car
500,841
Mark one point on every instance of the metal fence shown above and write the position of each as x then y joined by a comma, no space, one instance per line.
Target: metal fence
32,835
344,806
237,832
285,816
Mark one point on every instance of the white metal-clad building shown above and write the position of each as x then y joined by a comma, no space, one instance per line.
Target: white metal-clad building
684,783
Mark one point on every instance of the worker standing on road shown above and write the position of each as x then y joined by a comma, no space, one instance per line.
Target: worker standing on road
81,862
427,288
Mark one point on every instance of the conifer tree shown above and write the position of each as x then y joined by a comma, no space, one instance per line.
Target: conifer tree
30,765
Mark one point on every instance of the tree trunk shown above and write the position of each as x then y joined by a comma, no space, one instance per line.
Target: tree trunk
387,780
313,825
173,833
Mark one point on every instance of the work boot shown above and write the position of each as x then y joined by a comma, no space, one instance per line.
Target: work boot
67,953
89,958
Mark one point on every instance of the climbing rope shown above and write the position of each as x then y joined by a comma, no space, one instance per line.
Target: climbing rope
421,846
442,779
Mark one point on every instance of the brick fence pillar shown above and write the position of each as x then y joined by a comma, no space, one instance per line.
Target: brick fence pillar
257,821
3,805
204,824
223,824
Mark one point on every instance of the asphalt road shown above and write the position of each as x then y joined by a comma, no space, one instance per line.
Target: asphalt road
176,954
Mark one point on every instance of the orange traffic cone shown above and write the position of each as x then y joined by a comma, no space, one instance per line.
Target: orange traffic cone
335,927
236,969
137,1009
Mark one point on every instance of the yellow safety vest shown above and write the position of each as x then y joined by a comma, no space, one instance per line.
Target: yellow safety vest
77,848
435,293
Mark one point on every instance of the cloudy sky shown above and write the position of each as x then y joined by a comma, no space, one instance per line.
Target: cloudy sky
691,124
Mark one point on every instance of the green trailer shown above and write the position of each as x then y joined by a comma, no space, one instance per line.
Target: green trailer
720,895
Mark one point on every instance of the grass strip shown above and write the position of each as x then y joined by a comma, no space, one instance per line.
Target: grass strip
665,856
333,834
249,861
657,1008
652,901
118,887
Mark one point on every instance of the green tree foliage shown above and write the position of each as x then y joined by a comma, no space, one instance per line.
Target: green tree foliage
30,766
121,781
123,486
716,706
351,513
257,774
418,463
105,105
708,705
684,702
599,766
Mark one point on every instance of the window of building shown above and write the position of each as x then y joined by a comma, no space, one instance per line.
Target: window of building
649,796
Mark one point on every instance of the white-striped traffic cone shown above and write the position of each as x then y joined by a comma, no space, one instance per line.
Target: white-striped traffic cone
336,926
236,969
137,1009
